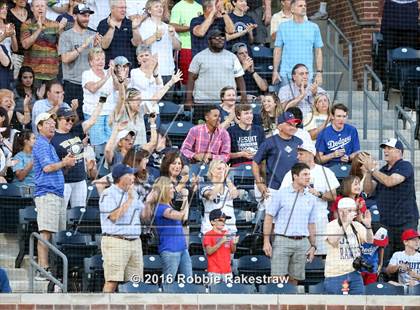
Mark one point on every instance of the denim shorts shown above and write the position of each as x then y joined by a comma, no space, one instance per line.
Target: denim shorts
100,132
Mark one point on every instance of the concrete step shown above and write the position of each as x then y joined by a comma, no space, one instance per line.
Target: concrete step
7,260
19,286
17,274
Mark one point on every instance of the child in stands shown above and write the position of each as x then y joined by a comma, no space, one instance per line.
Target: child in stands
373,254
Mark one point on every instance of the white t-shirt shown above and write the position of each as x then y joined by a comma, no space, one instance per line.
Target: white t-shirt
413,261
51,15
91,99
101,9
135,7
303,135
319,177
147,87
162,48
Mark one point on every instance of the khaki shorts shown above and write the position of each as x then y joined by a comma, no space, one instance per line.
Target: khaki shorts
289,257
123,259
51,213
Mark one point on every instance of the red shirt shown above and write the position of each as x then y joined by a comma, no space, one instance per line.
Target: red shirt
219,261
360,203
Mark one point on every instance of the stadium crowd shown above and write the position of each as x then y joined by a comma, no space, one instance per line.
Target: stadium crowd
81,83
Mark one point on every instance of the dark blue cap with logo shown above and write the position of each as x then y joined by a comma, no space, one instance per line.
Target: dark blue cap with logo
120,169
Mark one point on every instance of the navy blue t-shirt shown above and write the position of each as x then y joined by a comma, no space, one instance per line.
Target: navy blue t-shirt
240,23
397,204
241,140
6,73
330,140
280,155
121,42
201,43
65,143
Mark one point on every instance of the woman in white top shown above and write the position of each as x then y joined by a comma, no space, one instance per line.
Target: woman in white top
218,194
98,82
315,121
7,31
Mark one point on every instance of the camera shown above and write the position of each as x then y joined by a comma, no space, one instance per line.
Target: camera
152,115
359,264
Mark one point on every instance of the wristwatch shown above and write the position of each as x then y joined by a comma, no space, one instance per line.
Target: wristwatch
320,194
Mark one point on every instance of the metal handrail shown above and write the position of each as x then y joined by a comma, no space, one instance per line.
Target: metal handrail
376,102
347,64
33,263
399,112
356,19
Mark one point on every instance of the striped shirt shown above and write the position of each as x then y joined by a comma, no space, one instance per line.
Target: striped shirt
53,182
200,140
42,56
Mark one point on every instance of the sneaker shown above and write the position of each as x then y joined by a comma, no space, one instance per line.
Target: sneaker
319,16
40,276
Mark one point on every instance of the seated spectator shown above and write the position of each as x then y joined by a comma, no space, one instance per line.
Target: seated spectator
323,185
280,17
244,25
54,101
218,193
299,92
407,263
4,282
373,254
271,108
351,188
338,143
161,38
254,83
207,141
300,133
245,137
22,154
227,107
17,120
344,237
68,14
98,82
213,17
173,248
219,245
315,121
25,87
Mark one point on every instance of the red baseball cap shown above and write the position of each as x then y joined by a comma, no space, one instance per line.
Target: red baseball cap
409,234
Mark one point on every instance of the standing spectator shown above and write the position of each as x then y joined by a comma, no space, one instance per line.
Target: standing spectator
74,45
6,74
323,185
173,248
245,136
299,92
68,14
102,9
254,83
218,193
407,262
22,153
161,38
4,282
338,142
319,118
121,208
395,192
344,237
280,17
244,25
214,18
280,153
227,106
39,37
207,141
7,30
260,11
219,246
17,119
294,241
120,35
25,87
295,43
211,70
181,15
49,186
373,254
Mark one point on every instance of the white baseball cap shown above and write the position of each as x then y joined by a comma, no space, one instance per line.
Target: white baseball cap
346,203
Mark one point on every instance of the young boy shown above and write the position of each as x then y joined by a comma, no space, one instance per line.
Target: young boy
373,254
219,246
407,262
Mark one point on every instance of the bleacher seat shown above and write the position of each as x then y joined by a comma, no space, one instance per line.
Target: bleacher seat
27,225
85,220
250,243
199,264
92,196
194,219
317,288
170,111
152,264
383,289
232,288
341,170
409,85
314,271
242,177
280,288
93,275
131,287
254,265
183,288
414,290
195,245
177,131
199,170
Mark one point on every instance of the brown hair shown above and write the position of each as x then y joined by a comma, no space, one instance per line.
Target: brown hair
241,108
356,165
224,90
346,184
133,159
266,121
169,159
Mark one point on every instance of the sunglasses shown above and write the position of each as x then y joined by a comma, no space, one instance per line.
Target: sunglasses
69,119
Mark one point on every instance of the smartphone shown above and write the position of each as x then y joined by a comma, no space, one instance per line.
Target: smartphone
102,99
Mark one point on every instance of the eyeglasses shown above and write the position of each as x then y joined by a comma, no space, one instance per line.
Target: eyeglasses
69,119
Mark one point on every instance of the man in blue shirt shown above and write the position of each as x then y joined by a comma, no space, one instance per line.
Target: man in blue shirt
49,185
295,43
293,212
338,143
280,153
395,193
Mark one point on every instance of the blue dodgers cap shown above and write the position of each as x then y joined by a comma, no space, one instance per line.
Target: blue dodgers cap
120,169
393,143
287,117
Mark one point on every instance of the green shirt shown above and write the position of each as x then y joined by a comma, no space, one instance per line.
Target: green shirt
182,14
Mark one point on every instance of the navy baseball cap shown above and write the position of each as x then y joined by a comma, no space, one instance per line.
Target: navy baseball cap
65,112
393,143
287,117
120,169
218,214
216,33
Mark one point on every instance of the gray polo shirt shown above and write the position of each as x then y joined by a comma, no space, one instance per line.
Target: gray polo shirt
69,40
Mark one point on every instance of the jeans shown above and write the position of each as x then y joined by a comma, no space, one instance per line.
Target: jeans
175,262
333,285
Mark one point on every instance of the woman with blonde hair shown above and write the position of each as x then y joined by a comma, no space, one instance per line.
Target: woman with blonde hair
173,247
315,121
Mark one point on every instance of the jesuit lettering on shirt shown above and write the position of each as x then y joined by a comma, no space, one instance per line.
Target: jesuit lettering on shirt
247,143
